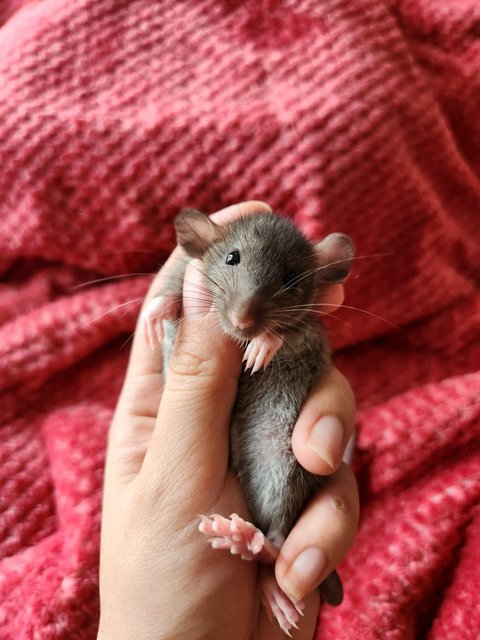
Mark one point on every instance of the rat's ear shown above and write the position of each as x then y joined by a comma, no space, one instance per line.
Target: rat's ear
334,257
195,232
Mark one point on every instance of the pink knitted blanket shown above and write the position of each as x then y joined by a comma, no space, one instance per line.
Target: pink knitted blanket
362,117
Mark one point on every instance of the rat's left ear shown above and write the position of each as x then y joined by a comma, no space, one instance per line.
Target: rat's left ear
334,257
195,232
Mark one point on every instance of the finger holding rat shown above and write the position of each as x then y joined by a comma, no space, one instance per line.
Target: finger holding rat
321,537
325,425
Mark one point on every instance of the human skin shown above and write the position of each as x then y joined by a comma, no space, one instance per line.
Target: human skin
167,462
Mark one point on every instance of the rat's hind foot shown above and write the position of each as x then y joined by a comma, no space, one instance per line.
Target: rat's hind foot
243,538
260,351
155,312
276,602
239,537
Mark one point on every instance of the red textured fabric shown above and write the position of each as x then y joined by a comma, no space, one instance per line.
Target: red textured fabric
360,117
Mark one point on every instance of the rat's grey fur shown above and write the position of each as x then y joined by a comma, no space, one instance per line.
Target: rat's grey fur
268,402
276,486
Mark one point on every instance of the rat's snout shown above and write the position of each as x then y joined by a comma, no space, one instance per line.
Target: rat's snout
243,319
244,316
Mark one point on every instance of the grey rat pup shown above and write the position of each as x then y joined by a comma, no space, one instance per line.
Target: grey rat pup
265,279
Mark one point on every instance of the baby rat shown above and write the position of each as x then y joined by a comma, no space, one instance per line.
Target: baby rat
265,278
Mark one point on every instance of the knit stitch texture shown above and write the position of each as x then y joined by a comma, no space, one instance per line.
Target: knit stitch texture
361,117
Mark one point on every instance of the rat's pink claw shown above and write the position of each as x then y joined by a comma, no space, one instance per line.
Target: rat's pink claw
155,312
277,602
260,351
238,536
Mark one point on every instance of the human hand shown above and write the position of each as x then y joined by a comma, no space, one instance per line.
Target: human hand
167,462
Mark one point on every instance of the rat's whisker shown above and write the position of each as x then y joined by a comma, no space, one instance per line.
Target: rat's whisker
306,274
341,320
195,285
370,255
282,310
282,338
208,277
198,299
217,328
219,257
310,272
193,314
345,306
130,337
110,278
286,322
118,306
298,322
282,326
306,323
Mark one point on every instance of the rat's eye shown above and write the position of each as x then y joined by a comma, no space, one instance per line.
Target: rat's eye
233,258
289,279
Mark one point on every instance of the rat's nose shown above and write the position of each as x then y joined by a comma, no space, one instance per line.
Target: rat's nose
241,320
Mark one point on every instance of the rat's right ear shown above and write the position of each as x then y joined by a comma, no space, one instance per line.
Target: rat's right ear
195,232
334,256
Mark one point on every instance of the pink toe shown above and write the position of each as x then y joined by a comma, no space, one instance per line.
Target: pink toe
275,600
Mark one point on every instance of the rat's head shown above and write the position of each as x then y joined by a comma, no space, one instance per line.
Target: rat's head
261,269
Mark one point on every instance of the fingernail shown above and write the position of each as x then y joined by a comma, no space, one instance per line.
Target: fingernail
305,572
326,438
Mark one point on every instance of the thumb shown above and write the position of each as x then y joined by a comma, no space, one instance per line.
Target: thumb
191,433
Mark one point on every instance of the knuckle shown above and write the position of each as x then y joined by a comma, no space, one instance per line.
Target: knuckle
189,364
343,499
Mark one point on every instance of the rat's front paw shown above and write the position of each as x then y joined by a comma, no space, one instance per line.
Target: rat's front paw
261,350
155,312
